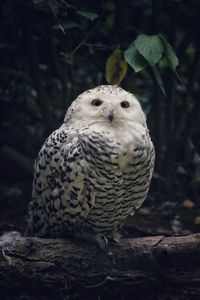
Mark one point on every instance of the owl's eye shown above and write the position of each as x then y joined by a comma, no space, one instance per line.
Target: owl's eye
124,104
96,102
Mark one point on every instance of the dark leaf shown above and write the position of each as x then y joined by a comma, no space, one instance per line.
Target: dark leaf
116,68
169,53
134,59
89,15
150,47
158,78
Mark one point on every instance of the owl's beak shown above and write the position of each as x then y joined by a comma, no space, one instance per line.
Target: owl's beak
110,115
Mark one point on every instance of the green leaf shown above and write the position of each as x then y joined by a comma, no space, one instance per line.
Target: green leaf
171,58
68,5
59,27
178,77
66,25
158,79
134,59
169,53
89,15
197,220
150,47
68,59
69,25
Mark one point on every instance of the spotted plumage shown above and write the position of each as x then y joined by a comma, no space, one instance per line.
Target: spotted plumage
94,170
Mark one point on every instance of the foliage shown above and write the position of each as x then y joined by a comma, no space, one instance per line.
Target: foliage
116,68
150,49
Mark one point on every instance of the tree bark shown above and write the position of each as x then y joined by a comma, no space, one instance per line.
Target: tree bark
140,268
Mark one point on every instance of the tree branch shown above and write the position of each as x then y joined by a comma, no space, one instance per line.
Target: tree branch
90,33
56,269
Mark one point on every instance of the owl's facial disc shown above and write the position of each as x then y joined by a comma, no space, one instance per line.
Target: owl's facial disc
106,105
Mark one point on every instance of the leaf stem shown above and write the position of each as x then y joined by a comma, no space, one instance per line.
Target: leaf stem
88,35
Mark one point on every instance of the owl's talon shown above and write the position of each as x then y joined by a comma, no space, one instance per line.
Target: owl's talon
117,236
101,240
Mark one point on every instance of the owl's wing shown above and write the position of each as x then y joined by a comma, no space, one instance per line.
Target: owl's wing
62,193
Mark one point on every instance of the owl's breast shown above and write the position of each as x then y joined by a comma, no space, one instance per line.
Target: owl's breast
116,145
118,167
128,142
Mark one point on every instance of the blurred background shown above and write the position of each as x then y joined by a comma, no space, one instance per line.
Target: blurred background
53,50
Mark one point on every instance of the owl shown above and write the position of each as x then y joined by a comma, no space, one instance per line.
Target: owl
93,171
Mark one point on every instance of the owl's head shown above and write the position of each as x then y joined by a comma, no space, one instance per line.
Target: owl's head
107,105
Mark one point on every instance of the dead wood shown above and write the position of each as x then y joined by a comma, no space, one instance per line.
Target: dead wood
141,268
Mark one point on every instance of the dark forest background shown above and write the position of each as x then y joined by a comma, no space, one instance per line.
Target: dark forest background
53,50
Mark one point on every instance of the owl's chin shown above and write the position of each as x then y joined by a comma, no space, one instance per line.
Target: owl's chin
99,123
107,123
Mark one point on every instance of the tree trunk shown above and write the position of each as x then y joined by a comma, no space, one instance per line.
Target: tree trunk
140,268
